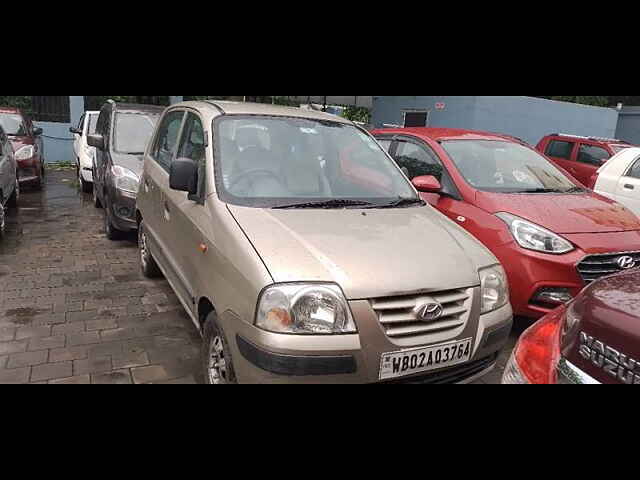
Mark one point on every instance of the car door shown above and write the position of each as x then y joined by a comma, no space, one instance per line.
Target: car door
589,159
561,152
5,169
186,216
628,190
156,211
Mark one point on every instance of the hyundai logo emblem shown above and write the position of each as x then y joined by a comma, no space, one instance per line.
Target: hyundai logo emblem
430,312
626,263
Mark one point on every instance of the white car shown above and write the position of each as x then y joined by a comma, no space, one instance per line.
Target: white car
619,179
83,152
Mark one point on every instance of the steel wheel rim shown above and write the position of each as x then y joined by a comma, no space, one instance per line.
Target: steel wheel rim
217,362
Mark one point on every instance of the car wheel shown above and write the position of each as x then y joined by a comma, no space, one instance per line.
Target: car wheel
15,196
216,355
148,264
112,232
96,200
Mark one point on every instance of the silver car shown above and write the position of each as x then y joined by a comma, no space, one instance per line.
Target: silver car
303,254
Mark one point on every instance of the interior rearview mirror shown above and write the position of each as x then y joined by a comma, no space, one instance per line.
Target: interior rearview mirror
183,176
96,141
427,184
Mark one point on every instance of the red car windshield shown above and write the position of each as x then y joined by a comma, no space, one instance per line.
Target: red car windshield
506,167
12,124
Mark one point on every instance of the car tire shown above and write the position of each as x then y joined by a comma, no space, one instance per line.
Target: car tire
96,200
112,232
215,349
148,264
15,196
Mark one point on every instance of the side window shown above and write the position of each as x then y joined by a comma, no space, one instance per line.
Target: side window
385,143
415,161
192,146
634,171
167,139
593,155
560,149
81,123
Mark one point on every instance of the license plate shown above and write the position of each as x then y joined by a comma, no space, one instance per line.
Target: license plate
408,362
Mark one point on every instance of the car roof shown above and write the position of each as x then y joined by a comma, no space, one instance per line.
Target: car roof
138,108
443,134
609,141
249,108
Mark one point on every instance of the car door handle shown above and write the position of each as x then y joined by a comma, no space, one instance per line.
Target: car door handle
629,187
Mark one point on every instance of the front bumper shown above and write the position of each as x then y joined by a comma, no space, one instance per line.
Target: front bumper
264,357
29,170
122,207
529,272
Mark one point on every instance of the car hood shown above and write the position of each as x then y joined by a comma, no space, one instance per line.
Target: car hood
608,312
369,253
564,214
131,162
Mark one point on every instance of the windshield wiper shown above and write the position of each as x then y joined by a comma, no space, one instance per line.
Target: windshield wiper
335,203
541,190
575,190
401,202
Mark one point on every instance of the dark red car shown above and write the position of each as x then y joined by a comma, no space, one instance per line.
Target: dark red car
580,156
27,142
551,235
594,339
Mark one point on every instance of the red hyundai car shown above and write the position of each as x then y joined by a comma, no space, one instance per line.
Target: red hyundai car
27,142
552,236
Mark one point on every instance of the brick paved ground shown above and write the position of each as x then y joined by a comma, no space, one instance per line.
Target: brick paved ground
74,307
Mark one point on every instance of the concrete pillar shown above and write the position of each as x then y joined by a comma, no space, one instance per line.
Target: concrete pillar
76,109
173,100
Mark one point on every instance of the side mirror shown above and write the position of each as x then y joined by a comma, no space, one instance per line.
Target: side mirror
427,184
183,176
96,141
75,131
37,131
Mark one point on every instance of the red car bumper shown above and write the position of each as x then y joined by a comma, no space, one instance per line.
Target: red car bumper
30,169
531,273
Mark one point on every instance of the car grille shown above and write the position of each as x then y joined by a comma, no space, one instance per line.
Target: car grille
399,318
594,267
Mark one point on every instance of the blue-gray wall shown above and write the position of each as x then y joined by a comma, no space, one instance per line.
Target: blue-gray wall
629,125
524,117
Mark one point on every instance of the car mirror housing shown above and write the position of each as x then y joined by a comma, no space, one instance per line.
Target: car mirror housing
427,184
75,130
183,176
96,141
37,131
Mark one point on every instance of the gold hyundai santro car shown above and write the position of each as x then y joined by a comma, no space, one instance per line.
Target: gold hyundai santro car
303,254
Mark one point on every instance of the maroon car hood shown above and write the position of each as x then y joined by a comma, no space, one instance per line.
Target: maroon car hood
18,142
609,313
565,214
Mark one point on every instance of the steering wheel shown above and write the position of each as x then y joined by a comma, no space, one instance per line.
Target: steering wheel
256,171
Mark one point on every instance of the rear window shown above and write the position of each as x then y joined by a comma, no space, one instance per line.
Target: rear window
592,155
560,149
619,148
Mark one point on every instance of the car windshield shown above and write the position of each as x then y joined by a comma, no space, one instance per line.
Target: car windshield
283,162
506,167
133,131
12,124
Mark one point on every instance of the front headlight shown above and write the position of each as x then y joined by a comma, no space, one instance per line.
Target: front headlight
494,288
125,179
306,309
25,153
534,237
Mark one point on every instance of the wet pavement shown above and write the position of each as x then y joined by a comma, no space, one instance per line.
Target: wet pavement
74,307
